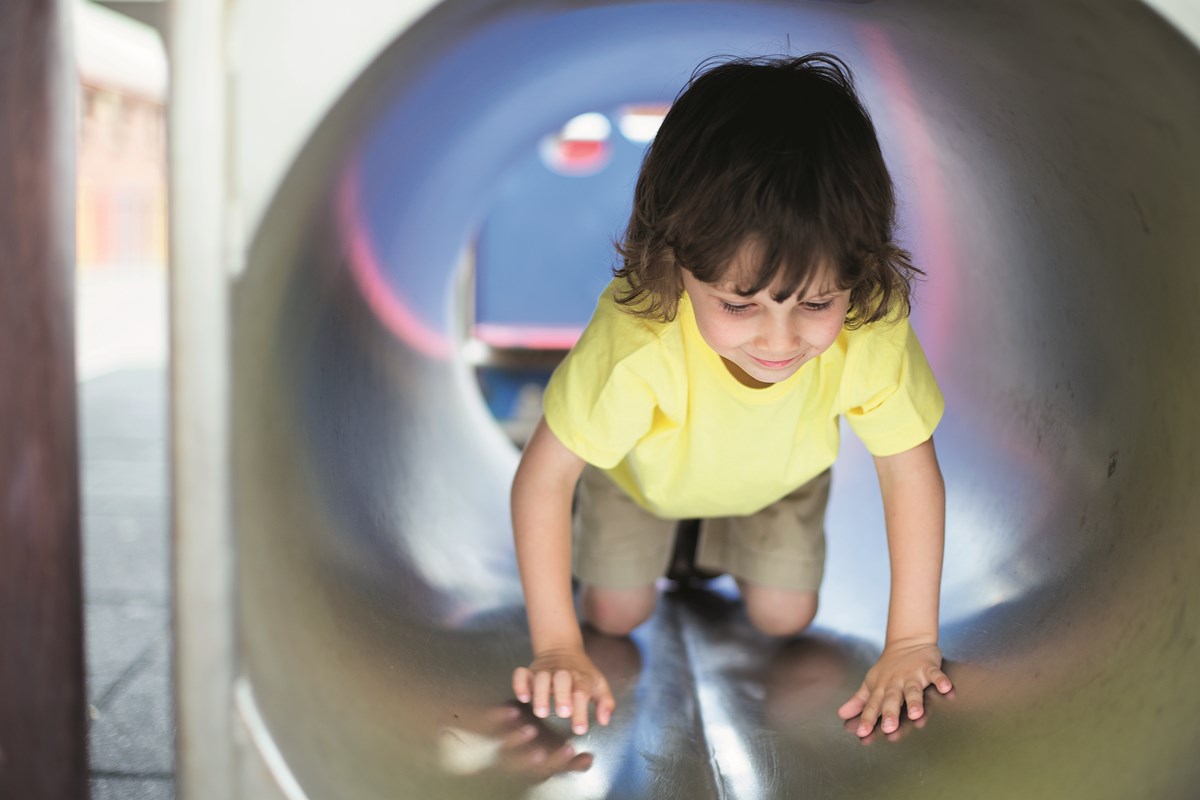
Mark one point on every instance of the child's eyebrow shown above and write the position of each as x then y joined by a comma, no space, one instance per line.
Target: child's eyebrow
820,295
731,289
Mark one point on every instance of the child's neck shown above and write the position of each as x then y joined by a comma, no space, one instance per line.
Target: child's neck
742,377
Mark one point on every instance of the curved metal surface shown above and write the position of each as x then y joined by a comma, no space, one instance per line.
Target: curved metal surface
1049,163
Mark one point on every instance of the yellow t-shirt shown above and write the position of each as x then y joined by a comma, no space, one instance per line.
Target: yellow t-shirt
654,406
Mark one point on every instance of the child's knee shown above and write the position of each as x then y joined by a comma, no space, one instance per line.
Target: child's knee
779,612
617,612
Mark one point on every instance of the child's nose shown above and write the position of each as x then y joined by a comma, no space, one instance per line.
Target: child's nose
779,337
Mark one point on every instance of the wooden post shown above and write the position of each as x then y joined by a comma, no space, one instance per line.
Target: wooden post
43,752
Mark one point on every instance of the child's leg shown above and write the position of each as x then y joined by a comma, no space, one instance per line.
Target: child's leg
618,611
620,551
777,556
778,612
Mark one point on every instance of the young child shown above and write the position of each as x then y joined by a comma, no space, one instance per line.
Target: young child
762,297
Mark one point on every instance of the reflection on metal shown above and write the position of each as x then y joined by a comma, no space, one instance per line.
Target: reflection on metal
379,610
387,303
260,736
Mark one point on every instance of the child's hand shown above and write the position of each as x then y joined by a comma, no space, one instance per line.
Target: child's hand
575,682
900,676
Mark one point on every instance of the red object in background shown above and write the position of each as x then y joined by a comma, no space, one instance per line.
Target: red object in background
582,147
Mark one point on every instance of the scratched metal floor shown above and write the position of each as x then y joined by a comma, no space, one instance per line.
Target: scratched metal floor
1048,155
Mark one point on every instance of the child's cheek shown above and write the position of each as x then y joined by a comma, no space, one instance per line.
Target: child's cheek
830,331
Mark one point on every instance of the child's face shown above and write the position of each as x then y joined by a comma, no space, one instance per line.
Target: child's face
763,341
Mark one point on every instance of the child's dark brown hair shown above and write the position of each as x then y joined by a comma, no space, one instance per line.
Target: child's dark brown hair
778,153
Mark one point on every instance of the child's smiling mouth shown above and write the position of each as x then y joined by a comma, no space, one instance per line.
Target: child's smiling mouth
776,364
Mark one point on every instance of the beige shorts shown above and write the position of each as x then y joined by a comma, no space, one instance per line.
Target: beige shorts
618,544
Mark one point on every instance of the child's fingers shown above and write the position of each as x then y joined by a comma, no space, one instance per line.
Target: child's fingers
604,712
602,696
563,685
890,713
870,713
579,717
541,694
939,680
605,703
522,684
854,706
914,698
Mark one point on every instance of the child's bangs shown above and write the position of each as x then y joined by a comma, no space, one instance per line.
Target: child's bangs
797,265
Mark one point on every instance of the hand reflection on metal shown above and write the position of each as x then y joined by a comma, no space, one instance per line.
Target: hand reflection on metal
508,740
804,679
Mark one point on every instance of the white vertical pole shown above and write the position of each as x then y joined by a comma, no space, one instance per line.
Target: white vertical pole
205,656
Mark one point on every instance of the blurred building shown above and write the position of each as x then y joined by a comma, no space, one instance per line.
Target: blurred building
121,214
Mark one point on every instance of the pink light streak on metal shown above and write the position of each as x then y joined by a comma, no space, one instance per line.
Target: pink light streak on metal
388,306
939,249
528,337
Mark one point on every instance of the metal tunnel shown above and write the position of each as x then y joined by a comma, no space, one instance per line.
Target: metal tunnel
1048,160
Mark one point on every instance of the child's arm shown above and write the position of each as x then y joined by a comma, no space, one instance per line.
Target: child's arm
914,506
541,509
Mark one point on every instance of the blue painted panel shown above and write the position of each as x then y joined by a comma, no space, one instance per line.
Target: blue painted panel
545,251
432,167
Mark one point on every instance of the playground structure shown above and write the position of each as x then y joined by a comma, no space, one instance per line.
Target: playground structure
1047,187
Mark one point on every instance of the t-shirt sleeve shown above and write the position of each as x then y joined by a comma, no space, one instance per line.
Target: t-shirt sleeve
889,394
599,401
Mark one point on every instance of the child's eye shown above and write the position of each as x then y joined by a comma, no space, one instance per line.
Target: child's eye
732,309
818,306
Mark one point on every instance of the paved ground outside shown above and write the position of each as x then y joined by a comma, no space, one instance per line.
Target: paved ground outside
121,355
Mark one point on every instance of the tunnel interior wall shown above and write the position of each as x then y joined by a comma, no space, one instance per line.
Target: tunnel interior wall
1050,178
